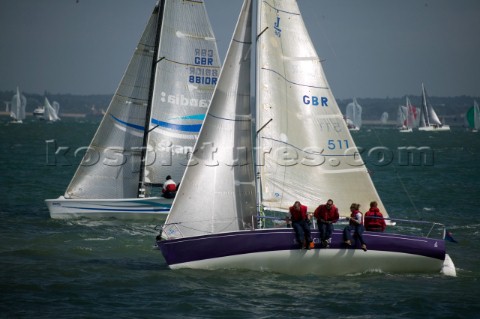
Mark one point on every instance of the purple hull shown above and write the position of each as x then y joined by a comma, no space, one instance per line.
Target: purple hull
258,249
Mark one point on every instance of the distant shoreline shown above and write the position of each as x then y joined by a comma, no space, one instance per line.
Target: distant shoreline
74,115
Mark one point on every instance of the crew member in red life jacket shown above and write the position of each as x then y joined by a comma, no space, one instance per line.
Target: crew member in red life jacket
355,224
300,223
326,215
169,188
374,219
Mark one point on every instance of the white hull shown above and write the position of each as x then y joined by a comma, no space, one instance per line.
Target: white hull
405,130
435,128
325,262
133,208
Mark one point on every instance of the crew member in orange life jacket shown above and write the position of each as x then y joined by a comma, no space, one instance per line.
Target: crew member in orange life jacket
169,188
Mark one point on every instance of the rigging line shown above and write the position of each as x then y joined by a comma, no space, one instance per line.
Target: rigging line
400,180
278,10
264,125
294,83
258,36
189,64
227,119
132,99
305,151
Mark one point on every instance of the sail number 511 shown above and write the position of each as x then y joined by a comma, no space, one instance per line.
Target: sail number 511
337,144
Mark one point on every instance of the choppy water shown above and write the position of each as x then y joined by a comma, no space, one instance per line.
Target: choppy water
91,269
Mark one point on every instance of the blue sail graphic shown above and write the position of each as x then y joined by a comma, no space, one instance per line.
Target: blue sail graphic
182,127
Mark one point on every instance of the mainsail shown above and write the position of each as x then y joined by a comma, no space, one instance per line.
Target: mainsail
384,118
304,150
354,114
428,115
165,89
307,152
17,107
50,112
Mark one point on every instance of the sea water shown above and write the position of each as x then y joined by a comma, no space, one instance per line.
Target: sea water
102,269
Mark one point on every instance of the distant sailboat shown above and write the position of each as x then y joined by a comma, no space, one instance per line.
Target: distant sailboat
295,150
429,120
50,112
384,118
472,117
354,115
152,122
17,107
407,117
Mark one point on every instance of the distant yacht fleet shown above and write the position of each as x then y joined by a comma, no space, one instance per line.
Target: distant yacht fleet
409,117
16,109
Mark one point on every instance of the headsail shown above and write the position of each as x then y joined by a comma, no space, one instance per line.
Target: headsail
218,192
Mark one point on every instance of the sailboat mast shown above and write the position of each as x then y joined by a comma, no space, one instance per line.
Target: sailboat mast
258,126
141,188
425,106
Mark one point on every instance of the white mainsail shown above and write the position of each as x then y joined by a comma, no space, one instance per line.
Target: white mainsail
17,107
308,153
304,149
165,86
402,115
428,115
384,118
50,113
354,114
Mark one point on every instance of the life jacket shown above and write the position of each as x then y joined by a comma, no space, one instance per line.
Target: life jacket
374,220
327,214
354,216
298,215
169,186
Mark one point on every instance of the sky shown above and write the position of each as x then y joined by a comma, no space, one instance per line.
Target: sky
369,48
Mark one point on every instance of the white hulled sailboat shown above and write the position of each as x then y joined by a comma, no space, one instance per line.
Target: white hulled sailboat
152,122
